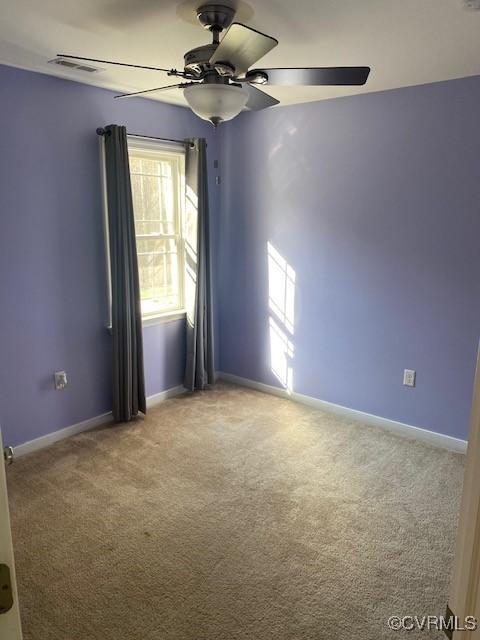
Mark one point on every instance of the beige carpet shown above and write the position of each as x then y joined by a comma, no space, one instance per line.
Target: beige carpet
232,515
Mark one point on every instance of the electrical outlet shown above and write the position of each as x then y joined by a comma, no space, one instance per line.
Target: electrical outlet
409,376
60,380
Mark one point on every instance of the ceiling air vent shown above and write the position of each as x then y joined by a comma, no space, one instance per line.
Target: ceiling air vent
74,65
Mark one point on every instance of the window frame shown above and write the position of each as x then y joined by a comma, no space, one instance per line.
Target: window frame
163,148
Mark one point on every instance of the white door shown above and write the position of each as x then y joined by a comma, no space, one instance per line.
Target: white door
464,600
10,628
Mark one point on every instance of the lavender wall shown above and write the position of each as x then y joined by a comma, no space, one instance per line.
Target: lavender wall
52,286
374,202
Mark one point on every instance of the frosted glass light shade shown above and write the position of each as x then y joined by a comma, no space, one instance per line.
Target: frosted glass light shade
215,102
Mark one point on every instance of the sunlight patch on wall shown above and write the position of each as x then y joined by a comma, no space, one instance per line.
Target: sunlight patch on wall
281,288
281,355
281,302
190,237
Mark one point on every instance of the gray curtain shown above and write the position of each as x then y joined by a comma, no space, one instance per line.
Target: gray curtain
128,376
200,369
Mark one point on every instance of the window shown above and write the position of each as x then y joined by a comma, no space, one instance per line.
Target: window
157,173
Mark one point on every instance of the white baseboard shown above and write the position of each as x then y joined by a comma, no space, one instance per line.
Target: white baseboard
87,425
152,401
401,429
61,434
405,430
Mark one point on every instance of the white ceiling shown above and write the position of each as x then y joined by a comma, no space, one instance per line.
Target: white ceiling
405,42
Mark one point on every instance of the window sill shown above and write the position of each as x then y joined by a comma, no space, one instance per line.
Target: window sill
161,318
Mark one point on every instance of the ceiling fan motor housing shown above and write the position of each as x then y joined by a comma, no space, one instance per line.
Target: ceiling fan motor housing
197,60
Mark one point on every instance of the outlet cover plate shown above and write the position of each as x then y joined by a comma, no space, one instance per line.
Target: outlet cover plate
60,380
409,376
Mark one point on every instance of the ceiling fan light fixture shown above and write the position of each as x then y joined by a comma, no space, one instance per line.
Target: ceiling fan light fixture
215,102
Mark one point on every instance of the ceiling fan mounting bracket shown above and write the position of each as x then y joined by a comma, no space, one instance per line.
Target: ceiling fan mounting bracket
215,17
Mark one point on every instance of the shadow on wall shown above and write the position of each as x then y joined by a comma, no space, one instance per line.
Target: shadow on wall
281,303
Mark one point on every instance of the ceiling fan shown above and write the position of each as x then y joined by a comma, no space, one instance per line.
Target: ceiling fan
217,81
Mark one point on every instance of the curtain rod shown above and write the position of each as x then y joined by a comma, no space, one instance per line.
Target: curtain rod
101,132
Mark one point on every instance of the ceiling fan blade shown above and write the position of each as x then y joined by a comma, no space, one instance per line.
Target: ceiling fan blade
182,85
119,64
258,100
242,46
322,76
